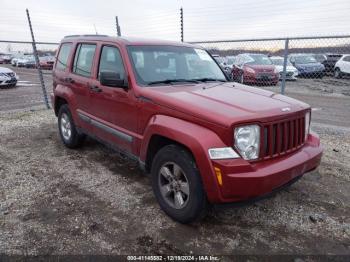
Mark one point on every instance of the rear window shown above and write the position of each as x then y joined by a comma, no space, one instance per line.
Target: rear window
63,55
83,59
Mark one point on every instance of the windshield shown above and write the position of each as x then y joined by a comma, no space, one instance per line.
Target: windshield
279,62
305,59
258,60
231,60
153,64
28,57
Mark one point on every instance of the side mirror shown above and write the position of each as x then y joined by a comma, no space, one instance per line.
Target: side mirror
112,79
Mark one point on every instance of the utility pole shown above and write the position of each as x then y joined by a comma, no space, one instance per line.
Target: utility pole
37,62
285,58
182,24
117,26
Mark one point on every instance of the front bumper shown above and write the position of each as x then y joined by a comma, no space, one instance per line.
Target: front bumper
8,81
312,73
289,75
258,79
242,180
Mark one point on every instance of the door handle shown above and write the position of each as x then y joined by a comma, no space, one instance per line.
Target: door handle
95,89
69,80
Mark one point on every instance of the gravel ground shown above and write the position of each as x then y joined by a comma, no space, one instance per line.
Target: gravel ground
94,201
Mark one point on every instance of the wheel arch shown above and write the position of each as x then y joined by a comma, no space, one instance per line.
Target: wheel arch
156,143
163,130
59,101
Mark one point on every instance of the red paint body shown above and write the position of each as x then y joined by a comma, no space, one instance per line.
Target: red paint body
195,117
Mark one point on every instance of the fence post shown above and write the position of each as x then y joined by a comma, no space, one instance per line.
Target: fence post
37,62
283,84
117,26
182,24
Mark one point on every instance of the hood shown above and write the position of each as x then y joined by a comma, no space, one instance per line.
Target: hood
289,68
223,103
262,68
5,70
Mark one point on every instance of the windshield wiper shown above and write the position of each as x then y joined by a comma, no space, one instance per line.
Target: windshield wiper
170,81
207,79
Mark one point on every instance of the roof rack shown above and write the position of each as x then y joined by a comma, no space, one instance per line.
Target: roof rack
67,36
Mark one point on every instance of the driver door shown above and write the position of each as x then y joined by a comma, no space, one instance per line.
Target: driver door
114,108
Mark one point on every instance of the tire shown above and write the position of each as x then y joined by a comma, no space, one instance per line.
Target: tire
338,73
68,132
233,78
241,78
194,204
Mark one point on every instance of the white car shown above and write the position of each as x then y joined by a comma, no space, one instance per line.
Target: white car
291,72
23,61
342,67
8,78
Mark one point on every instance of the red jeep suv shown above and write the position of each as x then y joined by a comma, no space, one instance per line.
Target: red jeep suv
170,106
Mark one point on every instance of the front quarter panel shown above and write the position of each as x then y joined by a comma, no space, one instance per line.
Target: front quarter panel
196,138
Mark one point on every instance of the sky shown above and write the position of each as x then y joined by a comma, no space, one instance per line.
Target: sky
203,20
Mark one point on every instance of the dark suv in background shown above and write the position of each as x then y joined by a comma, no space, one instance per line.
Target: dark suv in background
329,63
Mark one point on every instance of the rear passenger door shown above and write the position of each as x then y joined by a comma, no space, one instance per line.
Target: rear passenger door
80,79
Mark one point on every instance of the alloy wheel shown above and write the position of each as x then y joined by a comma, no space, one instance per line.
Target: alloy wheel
174,186
66,127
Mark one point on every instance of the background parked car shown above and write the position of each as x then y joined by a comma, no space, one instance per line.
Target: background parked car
46,62
8,78
342,67
291,72
307,65
24,61
254,69
330,62
6,58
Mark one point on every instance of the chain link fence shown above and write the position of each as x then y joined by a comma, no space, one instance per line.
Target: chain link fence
303,63
19,68
284,62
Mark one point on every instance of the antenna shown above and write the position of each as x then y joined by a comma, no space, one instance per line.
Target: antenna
95,29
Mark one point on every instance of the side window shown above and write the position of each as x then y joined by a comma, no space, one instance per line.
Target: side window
347,59
83,59
62,58
111,61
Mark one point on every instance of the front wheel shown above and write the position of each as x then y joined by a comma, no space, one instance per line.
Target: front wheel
177,184
337,73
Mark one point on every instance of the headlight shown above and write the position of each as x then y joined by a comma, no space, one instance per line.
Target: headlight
307,124
276,71
247,141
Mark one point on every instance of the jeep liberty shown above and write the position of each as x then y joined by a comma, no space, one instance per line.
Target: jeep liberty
203,139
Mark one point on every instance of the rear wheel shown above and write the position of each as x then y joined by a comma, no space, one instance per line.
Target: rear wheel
338,73
68,132
241,78
177,184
